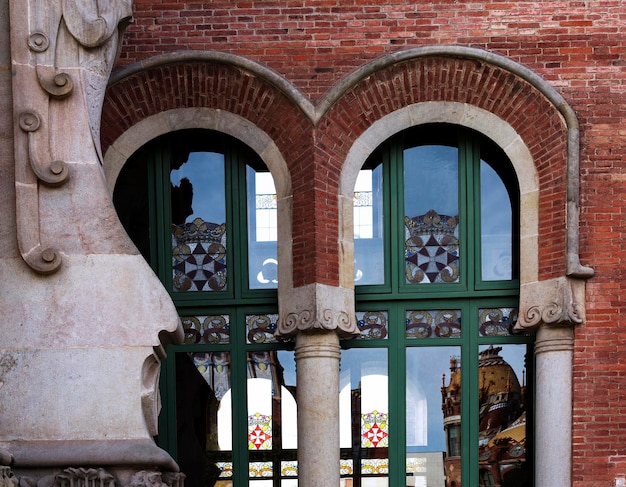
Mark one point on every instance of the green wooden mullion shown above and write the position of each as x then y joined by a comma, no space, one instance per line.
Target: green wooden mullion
467,202
396,372
393,191
239,362
469,398
232,228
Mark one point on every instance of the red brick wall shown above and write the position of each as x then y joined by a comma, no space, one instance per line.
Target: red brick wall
578,46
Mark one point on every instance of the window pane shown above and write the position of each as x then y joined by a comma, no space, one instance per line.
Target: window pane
431,214
204,436
364,416
198,204
503,403
433,415
496,226
368,228
262,229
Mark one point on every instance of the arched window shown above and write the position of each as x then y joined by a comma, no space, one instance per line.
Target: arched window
436,387
201,208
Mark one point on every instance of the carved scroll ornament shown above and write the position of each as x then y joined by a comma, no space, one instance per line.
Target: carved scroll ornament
57,31
557,301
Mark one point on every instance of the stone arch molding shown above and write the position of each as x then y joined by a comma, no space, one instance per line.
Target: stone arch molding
559,300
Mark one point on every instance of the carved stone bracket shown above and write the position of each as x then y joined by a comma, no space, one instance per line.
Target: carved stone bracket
317,307
559,301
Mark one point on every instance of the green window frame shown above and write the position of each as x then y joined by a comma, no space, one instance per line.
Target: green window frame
393,314
229,331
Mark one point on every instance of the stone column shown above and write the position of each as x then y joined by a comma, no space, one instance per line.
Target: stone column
553,307
317,374
317,315
554,347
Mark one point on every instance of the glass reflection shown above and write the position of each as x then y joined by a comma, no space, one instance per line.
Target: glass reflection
204,415
496,218
368,228
364,417
433,415
431,214
503,401
262,229
198,208
203,431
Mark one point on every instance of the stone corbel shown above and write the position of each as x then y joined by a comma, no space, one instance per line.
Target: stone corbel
555,302
317,308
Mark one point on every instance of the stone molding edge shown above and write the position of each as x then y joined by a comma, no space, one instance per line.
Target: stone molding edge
60,453
554,302
316,308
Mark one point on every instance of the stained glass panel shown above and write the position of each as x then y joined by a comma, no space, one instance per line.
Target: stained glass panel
261,328
206,329
431,209
198,210
497,321
433,323
372,324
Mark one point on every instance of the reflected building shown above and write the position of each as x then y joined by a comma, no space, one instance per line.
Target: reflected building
502,423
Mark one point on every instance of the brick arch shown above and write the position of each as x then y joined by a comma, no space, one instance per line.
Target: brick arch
315,139
176,81
487,88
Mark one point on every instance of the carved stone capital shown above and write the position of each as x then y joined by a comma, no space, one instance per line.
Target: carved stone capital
317,307
559,301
